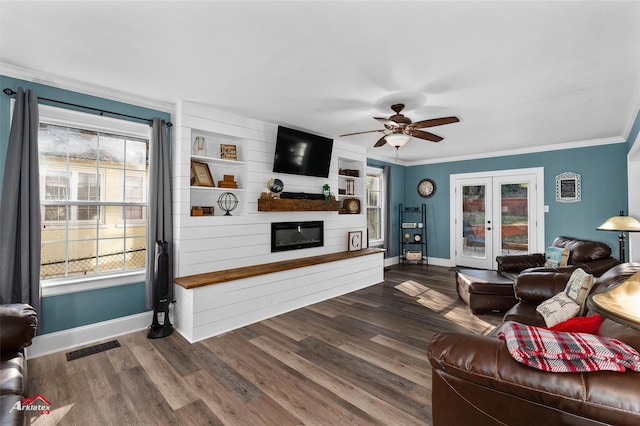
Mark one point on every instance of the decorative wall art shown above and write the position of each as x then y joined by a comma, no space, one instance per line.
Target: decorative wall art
228,152
568,188
201,174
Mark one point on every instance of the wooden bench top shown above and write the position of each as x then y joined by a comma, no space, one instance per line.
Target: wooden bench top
217,277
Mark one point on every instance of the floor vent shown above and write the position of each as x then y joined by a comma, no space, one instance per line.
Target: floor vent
92,350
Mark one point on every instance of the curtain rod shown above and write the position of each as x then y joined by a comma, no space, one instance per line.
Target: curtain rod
11,92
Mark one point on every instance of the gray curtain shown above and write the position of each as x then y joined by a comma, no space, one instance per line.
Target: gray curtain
386,175
160,222
20,208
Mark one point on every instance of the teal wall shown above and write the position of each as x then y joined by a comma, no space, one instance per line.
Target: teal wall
603,171
89,307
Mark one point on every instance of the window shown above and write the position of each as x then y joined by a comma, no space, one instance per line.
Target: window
93,191
375,206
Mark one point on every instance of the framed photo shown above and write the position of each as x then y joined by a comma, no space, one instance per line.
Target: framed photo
355,241
568,188
228,152
201,174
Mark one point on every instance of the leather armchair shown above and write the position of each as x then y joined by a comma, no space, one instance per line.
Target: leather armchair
476,381
592,256
18,323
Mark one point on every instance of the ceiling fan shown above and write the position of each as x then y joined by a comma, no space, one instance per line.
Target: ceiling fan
398,129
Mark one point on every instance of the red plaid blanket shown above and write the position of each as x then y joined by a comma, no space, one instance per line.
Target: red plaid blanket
564,352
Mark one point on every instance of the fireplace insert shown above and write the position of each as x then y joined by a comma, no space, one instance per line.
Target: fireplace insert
296,235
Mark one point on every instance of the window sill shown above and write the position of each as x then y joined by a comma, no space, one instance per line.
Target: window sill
57,287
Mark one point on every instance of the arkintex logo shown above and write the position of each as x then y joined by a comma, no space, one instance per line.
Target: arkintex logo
37,403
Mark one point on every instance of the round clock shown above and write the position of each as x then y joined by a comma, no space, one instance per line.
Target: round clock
417,238
426,188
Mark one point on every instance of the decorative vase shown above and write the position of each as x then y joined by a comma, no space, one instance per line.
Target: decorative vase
200,146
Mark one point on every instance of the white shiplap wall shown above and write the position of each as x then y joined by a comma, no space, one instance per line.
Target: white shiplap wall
208,244
205,244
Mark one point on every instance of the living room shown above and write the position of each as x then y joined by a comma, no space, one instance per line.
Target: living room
605,155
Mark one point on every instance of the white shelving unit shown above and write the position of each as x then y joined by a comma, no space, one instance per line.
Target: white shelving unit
204,196
351,182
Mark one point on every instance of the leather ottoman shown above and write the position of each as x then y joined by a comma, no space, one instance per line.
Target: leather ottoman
485,291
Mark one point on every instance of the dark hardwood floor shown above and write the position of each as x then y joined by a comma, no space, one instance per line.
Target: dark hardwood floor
355,359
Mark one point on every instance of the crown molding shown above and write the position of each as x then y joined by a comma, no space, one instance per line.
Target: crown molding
632,114
533,150
83,87
387,159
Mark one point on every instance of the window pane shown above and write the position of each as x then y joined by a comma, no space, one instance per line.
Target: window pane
56,184
55,213
111,151
374,206
136,256
137,154
82,257
373,224
111,255
80,166
53,259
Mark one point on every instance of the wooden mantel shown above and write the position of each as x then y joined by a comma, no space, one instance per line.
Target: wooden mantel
217,277
292,205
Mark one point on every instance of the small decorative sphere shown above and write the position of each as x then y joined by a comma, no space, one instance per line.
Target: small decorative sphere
228,202
275,185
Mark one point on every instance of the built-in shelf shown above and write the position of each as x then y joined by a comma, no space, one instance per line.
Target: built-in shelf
291,205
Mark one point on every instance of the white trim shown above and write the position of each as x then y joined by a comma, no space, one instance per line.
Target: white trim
531,150
64,83
634,106
80,336
84,120
538,214
59,286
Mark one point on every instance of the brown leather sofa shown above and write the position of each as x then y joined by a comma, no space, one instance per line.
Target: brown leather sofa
477,382
18,323
592,256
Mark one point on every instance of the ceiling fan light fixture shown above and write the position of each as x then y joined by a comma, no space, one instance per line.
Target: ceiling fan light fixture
397,140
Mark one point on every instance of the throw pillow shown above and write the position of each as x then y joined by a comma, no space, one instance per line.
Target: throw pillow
557,309
578,287
556,256
580,324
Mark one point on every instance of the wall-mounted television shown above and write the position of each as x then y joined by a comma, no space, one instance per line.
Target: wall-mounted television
302,153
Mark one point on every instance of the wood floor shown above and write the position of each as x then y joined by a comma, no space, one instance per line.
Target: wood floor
356,359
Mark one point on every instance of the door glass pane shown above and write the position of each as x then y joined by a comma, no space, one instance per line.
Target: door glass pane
515,218
473,223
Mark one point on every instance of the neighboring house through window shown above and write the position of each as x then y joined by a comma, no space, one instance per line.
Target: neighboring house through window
93,191
375,206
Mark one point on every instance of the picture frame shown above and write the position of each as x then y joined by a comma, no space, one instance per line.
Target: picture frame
568,188
228,152
354,242
201,174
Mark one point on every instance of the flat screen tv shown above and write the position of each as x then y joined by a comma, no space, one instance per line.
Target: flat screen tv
301,153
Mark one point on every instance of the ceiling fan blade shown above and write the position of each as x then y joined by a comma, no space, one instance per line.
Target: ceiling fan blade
359,133
424,135
380,142
434,122
386,121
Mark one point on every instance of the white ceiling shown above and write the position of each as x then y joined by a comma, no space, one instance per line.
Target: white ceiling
520,75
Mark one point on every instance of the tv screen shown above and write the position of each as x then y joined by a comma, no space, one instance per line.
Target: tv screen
301,153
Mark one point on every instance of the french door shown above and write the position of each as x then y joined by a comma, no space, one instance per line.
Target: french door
496,213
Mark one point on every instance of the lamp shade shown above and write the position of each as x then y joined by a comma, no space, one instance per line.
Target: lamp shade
397,139
620,223
621,304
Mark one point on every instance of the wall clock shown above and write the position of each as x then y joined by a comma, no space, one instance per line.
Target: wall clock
426,188
355,240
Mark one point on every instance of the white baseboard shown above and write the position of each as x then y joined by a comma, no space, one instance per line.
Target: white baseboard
80,336
435,261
